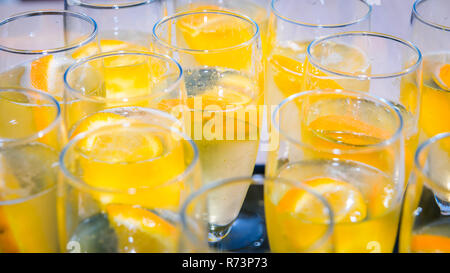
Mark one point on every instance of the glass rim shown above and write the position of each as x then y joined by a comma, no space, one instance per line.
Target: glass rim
46,12
355,94
418,165
172,47
258,180
81,184
129,4
403,72
83,61
422,18
11,142
305,24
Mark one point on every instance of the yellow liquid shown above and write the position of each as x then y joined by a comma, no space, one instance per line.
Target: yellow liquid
121,160
28,224
376,232
48,77
140,168
287,70
224,95
257,12
120,81
432,238
225,32
227,142
372,173
435,104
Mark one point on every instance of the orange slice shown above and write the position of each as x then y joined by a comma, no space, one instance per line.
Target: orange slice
346,200
106,46
442,77
107,147
430,243
95,121
139,230
288,74
46,74
348,130
40,72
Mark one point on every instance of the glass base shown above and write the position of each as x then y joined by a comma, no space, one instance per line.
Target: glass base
248,232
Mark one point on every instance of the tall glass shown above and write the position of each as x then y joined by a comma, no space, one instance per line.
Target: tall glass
293,25
29,144
305,230
37,46
222,68
431,33
379,64
348,147
123,184
122,24
119,79
426,212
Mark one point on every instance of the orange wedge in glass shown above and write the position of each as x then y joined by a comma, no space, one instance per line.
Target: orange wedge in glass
345,199
139,230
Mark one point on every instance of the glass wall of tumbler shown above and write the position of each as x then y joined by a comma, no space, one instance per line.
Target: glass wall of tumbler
431,33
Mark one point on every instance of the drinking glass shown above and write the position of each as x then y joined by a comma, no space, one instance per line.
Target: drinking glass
293,25
379,64
29,144
308,229
431,33
220,53
124,182
122,24
425,223
118,79
36,47
221,58
348,147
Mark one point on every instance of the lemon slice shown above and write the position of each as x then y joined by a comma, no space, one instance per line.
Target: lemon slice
130,159
139,230
441,76
346,200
